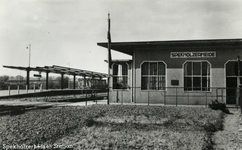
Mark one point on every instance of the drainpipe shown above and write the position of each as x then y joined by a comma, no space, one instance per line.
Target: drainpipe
238,100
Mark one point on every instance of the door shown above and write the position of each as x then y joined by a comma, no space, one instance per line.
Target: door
232,77
231,85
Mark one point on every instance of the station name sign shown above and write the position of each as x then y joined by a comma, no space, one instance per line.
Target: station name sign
193,54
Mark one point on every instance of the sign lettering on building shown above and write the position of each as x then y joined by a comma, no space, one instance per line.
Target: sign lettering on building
193,54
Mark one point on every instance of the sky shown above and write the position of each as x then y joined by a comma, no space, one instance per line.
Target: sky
66,32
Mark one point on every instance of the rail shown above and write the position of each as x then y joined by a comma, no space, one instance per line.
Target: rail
178,96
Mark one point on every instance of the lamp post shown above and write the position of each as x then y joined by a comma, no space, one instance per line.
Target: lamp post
28,69
29,47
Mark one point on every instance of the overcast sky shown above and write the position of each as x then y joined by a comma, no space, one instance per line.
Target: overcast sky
66,32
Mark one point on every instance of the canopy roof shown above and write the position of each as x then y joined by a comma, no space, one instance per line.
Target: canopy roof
129,47
61,70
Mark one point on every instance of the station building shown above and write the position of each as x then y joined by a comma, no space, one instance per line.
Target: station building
181,72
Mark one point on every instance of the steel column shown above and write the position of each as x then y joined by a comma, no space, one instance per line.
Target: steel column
27,80
47,80
74,82
85,82
62,81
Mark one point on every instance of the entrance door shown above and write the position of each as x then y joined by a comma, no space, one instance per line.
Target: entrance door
231,85
232,81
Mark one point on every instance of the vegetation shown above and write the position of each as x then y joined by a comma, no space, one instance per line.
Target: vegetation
14,82
216,105
3,80
114,127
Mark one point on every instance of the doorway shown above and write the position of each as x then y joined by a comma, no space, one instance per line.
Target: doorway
232,81
231,92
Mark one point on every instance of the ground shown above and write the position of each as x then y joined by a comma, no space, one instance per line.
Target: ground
230,138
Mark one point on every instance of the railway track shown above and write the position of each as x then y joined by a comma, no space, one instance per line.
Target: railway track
49,98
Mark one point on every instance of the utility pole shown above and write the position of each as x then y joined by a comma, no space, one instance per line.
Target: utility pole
109,58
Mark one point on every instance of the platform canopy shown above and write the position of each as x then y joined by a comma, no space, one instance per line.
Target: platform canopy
61,70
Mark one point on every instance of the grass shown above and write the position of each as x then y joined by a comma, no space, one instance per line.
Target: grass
114,127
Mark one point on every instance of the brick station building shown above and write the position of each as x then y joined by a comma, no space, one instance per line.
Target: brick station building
176,72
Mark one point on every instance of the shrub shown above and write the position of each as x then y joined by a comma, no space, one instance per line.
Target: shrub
89,121
216,105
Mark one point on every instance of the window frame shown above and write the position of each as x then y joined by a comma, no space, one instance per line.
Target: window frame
208,77
127,76
236,73
156,76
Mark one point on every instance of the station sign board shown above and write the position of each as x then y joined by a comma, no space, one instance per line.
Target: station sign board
210,54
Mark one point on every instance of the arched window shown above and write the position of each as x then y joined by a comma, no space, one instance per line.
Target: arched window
120,75
197,76
153,76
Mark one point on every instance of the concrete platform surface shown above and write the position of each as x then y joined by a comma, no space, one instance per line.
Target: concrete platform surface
34,103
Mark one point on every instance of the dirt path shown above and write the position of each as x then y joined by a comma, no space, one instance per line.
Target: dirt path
231,137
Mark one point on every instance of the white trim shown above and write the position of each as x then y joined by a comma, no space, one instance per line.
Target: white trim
157,61
210,75
225,74
226,67
228,61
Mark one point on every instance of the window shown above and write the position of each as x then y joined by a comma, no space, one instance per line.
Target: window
120,75
197,76
153,76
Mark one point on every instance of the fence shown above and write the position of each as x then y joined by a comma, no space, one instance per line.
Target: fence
14,89
176,96
168,96
53,95
21,89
